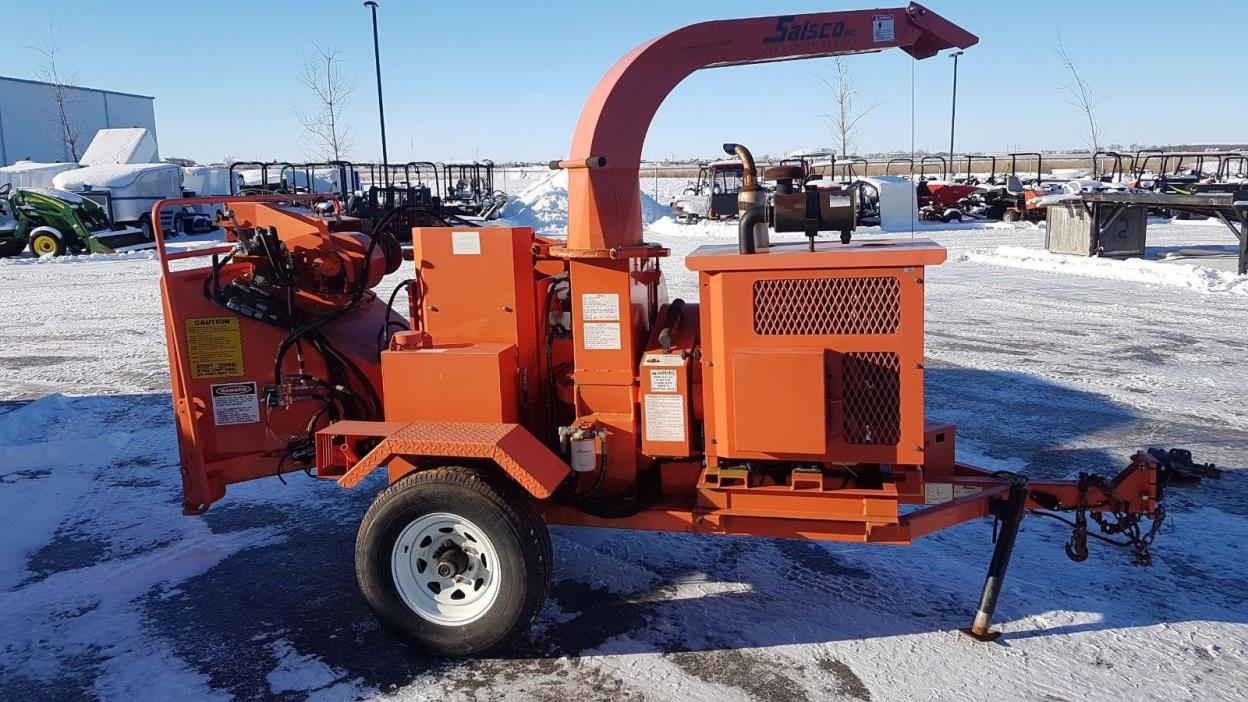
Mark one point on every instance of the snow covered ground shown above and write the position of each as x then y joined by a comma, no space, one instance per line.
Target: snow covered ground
1049,365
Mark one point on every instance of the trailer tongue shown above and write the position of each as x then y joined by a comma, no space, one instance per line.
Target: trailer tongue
538,381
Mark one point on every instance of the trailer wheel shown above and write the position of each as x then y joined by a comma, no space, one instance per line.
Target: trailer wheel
43,241
1010,215
453,560
145,223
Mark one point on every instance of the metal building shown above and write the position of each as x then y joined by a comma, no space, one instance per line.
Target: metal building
30,129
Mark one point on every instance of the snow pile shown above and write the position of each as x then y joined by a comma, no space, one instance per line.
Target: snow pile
114,146
1199,278
544,206
667,227
31,174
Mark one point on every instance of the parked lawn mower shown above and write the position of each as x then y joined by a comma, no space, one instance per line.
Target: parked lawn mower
1013,201
972,179
411,190
468,190
1016,202
941,201
51,221
538,381
851,170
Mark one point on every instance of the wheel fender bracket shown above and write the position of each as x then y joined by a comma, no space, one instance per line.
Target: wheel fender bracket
536,468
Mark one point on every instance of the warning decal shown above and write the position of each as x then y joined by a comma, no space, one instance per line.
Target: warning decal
882,28
235,403
214,347
663,380
665,417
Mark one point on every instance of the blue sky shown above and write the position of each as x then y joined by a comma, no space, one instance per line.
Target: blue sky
508,80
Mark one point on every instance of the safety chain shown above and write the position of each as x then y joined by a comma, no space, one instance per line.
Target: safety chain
1129,526
1114,522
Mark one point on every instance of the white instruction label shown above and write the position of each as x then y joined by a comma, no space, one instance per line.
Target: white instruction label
882,28
466,243
601,336
662,380
664,359
665,417
235,403
600,307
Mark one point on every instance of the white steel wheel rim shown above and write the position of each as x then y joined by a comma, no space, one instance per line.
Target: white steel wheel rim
452,601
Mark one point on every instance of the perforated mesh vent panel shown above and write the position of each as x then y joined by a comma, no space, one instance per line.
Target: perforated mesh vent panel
810,306
872,398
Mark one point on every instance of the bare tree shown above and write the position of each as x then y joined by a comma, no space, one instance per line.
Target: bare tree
61,86
322,76
1080,97
846,116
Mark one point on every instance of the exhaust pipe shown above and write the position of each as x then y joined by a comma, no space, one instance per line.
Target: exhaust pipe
747,242
751,192
751,204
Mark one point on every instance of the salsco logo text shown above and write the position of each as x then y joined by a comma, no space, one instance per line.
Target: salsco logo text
788,30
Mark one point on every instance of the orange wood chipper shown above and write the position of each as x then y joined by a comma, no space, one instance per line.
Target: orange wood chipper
538,381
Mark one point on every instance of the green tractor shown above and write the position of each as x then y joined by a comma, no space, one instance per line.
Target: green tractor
51,221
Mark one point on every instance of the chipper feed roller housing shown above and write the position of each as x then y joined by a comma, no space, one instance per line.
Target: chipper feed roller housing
537,381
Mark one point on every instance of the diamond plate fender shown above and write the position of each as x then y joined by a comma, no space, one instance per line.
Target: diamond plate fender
512,447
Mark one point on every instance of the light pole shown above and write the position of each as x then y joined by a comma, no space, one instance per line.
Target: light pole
381,107
953,112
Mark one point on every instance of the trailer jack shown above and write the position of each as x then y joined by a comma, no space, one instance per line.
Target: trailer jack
1009,512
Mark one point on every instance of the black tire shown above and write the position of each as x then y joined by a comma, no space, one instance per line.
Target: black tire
145,223
508,520
42,243
1010,215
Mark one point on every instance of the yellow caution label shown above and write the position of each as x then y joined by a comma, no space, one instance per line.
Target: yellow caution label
214,346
